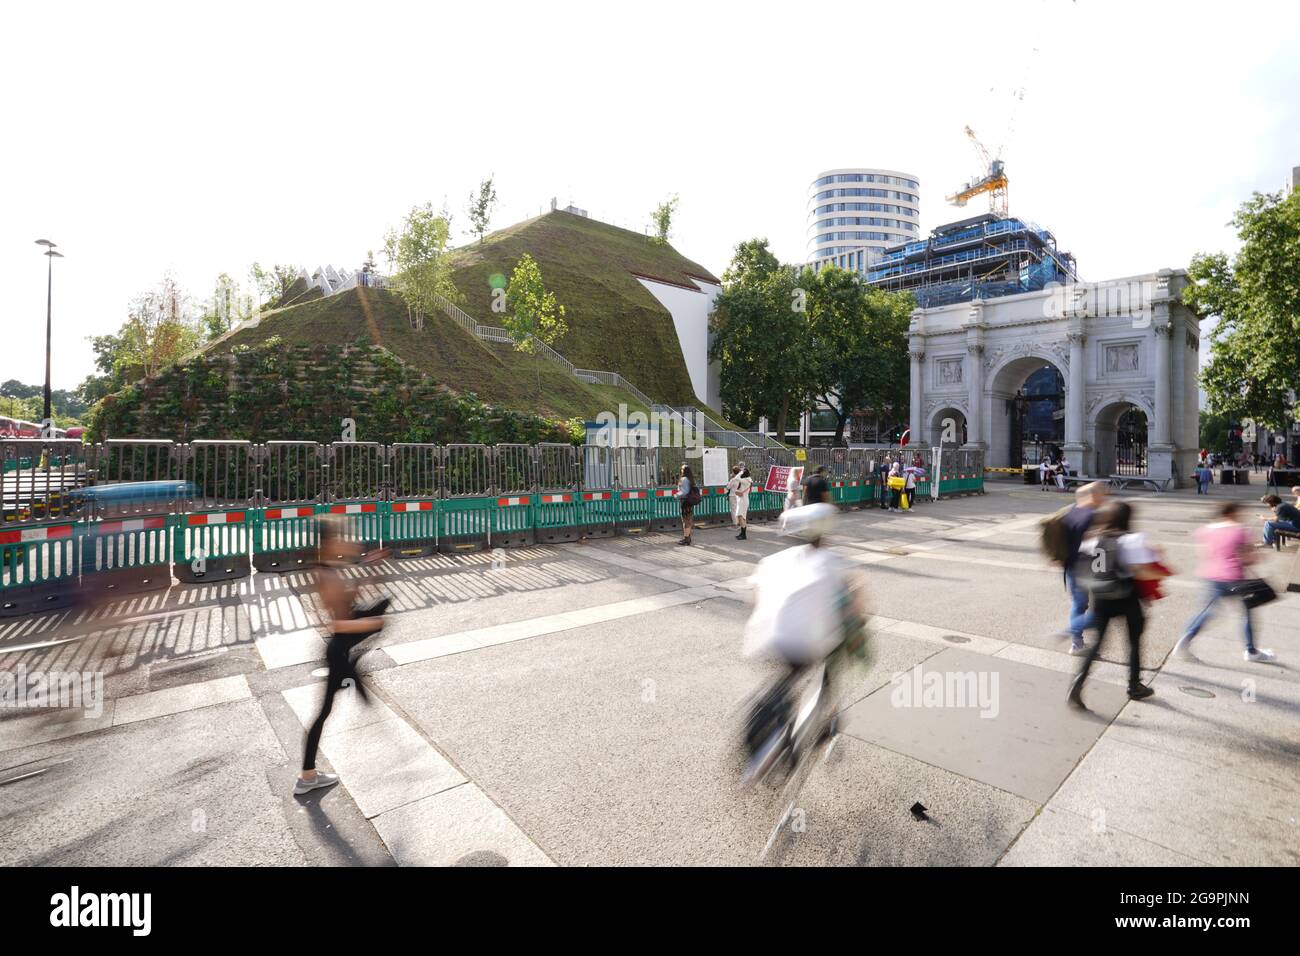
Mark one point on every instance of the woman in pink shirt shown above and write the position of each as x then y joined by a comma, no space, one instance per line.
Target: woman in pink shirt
1226,551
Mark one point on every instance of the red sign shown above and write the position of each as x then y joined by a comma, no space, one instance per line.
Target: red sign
778,476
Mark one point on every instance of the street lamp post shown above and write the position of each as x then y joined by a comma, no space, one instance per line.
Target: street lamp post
51,255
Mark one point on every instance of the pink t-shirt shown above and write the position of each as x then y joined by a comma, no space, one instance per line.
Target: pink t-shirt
1221,555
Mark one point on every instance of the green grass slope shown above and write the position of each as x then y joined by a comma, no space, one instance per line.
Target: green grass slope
614,323
443,349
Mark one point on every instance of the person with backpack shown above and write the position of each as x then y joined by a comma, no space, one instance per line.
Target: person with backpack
739,487
1226,552
688,496
1111,563
1061,536
1204,476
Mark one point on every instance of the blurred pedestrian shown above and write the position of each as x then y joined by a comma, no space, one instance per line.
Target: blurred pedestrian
1062,536
1204,476
348,627
1111,563
816,489
1225,555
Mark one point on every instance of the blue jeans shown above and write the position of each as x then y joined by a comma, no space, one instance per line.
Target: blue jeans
1081,619
1271,528
1215,590
1203,486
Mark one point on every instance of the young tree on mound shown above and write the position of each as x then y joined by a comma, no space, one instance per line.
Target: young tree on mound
418,254
533,317
480,208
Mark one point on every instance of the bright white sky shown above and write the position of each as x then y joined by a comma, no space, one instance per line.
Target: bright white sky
197,138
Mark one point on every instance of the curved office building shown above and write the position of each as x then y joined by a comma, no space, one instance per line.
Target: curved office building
855,213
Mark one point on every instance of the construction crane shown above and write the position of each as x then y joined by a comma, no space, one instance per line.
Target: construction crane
993,182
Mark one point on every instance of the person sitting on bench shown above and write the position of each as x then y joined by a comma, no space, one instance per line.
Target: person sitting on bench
1286,517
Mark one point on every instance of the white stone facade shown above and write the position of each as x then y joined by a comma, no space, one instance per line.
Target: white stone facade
1119,343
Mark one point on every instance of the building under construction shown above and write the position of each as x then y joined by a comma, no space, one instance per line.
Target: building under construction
977,258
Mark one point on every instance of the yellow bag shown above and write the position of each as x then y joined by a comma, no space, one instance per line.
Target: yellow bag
897,481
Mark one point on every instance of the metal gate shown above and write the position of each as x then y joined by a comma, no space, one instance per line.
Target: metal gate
556,504
465,509
411,527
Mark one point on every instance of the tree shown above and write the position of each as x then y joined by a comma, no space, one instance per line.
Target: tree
533,317
662,218
480,208
418,254
1254,363
761,338
858,344
160,329
228,306
272,285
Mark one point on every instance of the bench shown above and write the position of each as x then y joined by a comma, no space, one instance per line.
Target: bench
1123,482
1072,480
1280,538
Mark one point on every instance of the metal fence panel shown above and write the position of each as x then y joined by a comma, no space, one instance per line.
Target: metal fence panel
634,467
356,471
41,478
222,474
130,462
514,469
557,467
414,470
291,472
596,466
466,471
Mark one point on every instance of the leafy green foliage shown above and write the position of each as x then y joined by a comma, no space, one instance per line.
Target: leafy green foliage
662,218
1254,368
419,257
480,208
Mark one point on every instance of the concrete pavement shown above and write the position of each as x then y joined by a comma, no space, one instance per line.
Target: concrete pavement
577,704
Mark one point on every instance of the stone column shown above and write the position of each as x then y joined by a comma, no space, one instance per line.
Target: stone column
975,438
1076,448
917,355
1160,449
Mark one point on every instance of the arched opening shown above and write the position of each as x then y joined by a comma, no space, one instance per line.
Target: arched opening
1028,413
947,428
1120,437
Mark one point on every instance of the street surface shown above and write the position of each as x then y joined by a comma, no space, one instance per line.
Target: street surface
577,704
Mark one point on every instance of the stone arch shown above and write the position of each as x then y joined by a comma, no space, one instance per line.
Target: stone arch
1007,376
936,425
1103,416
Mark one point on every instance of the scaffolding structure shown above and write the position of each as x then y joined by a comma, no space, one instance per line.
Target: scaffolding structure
977,258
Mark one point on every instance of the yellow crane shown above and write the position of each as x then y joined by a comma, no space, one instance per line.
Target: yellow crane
993,182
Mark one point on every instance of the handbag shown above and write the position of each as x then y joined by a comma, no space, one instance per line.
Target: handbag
1254,592
692,497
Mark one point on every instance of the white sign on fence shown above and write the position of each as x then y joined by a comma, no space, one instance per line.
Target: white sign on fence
715,466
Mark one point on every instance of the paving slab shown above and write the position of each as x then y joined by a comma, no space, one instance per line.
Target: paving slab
458,827
1027,745
176,700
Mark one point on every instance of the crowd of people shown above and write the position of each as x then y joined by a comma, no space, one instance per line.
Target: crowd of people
1112,571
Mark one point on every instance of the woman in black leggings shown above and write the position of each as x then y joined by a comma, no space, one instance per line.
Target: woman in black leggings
346,632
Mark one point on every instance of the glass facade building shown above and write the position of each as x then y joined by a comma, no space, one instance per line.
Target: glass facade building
854,214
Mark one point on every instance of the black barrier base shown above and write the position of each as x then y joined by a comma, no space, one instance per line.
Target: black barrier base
281,562
462,544
366,548
152,577
38,598
597,530
632,527
215,569
666,524
514,539
566,535
418,548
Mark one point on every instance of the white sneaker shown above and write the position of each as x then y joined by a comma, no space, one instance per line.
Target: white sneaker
1077,649
1259,655
301,786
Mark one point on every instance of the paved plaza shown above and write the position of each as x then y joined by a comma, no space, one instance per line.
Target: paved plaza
578,704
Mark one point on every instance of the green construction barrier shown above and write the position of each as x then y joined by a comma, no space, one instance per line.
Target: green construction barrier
363,523
556,516
599,513
212,546
285,538
633,510
126,555
714,507
512,522
411,527
665,510
39,567
464,524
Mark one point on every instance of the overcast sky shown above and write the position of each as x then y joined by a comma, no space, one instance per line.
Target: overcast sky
197,138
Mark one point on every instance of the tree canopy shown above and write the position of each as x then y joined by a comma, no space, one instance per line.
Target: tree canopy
1254,366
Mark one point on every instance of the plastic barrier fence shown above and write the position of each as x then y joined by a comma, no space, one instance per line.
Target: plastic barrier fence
126,555
212,546
38,568
285,538
465,511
